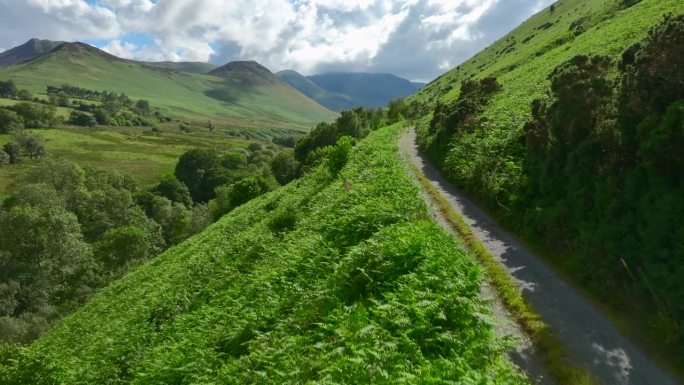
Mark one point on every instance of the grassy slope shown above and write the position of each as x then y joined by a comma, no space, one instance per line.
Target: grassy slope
523,67
483,161
179,93
330,280
194,67
127,150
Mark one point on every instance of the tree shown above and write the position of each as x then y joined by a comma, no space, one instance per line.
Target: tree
174,190
142,107
284,167
10,121
122,246
112,103
233,160
231,196
60,99
191,169
4,158
397,110
33,145
13,151
82,119
36,115
24,95
8,89
102,117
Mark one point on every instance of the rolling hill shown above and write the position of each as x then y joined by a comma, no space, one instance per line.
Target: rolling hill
190,96
27,51
346,90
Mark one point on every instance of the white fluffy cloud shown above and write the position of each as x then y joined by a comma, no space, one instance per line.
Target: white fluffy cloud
418,39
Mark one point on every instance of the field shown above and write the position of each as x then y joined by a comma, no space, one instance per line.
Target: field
133,151
330,279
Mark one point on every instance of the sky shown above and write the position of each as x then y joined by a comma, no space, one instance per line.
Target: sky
415,39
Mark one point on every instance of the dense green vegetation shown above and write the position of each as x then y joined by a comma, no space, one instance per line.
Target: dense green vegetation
577,150
68,230
332,278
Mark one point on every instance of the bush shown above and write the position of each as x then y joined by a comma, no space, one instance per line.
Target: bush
338,156
36,115
4,158
284,167
10,121
231,196
13,151
82,119
174,190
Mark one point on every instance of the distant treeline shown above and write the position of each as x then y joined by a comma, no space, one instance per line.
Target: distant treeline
75,92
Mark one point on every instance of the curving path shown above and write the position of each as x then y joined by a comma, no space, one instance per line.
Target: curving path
588,335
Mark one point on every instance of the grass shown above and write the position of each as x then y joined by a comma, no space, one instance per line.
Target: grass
358,286
181,94
547,345
134,151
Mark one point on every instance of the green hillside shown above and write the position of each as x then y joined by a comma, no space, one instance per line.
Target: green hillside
194,67
576,147
330,279
182,94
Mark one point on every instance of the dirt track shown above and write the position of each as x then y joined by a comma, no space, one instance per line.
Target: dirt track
588,335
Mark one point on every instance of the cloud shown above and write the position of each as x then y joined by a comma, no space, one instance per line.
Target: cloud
418,39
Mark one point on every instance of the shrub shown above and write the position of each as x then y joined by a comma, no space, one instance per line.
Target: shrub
10,121
284,167
82,119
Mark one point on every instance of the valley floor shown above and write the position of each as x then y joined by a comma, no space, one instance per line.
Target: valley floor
589,337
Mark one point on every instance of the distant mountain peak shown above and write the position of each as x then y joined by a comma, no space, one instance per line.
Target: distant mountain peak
245,72
77,48
27,51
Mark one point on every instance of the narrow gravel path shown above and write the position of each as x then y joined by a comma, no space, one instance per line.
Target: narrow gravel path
590,338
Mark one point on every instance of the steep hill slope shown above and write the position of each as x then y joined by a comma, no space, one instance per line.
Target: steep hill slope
27,51
191,96
331,279
194,67
366,89
330,100
580,172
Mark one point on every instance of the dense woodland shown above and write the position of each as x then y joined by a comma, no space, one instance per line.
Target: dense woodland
602,177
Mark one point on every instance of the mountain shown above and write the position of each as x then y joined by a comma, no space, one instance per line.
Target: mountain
330,100
27,51
228,95
366,89
245,73
346,90
194,67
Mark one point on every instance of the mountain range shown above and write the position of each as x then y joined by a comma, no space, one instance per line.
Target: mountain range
243,94
334,91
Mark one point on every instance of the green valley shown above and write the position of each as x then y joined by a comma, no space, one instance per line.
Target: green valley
518,220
